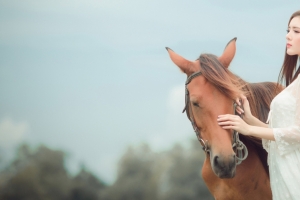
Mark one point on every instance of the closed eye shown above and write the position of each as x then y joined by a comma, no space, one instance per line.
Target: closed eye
295,31
195,104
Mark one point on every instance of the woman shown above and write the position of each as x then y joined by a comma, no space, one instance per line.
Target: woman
281,137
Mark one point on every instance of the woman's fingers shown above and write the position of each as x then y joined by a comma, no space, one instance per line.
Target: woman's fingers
243,96
245,101
228,117
227,123
239,110
238,101
228,127
234,122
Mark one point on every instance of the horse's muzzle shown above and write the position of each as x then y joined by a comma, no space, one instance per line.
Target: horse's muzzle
224,166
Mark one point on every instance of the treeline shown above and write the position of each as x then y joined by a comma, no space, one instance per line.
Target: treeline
142,175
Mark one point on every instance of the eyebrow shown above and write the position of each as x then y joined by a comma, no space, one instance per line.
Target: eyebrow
294,27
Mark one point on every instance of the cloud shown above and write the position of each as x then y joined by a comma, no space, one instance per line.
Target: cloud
177,127
178,124
176,98
11,132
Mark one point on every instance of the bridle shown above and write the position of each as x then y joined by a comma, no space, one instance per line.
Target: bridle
241,149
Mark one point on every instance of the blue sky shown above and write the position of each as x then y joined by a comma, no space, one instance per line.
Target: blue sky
92,77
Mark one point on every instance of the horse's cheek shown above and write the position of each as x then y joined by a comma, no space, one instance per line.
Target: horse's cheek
208,175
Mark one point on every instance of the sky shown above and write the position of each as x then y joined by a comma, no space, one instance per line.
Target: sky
93,77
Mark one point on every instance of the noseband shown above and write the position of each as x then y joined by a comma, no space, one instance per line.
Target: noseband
241,149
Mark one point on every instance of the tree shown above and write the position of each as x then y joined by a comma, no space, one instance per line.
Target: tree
183,177
136,176
142,175
35,175
169,175
85,186
41,174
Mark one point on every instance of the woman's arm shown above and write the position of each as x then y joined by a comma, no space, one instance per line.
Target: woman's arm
238,124
256,122
287,138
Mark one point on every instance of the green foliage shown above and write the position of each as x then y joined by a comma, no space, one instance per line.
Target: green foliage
184,175
41,175
170,175
142,175
137,178
85,186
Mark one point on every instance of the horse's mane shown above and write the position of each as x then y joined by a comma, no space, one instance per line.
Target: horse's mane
259,95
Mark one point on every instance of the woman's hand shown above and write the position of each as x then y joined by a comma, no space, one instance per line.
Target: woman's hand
234,122
246,111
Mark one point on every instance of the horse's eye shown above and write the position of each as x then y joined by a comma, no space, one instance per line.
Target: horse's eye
195,104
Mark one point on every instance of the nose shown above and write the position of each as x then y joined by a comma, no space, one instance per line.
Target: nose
224,163
288,36
224,167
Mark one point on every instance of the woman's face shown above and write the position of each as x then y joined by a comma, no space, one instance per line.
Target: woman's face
293,37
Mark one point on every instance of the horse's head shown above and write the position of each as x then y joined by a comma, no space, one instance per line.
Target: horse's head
211,94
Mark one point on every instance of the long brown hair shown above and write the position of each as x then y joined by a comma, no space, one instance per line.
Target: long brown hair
289,63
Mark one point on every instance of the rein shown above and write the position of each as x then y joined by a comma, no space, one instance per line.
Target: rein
241,149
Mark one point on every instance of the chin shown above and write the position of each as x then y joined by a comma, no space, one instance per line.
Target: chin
290,53
293,52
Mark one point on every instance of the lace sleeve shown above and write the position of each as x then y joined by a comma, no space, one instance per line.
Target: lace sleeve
288,138
265,142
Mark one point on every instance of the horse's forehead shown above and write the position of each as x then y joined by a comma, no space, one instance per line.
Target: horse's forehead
201,89
197,84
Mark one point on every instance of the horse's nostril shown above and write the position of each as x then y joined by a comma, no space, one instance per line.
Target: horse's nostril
224,166
216,158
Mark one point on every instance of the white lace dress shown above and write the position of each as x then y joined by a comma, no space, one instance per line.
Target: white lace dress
284,152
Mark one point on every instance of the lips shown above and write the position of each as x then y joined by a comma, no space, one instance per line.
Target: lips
288,45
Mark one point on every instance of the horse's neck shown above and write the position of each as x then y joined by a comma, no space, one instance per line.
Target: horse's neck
250,182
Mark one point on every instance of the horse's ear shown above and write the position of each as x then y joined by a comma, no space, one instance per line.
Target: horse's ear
184,65
228,53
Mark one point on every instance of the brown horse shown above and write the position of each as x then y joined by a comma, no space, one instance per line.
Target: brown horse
212,92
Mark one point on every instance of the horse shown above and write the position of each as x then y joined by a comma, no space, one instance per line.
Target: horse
211,90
